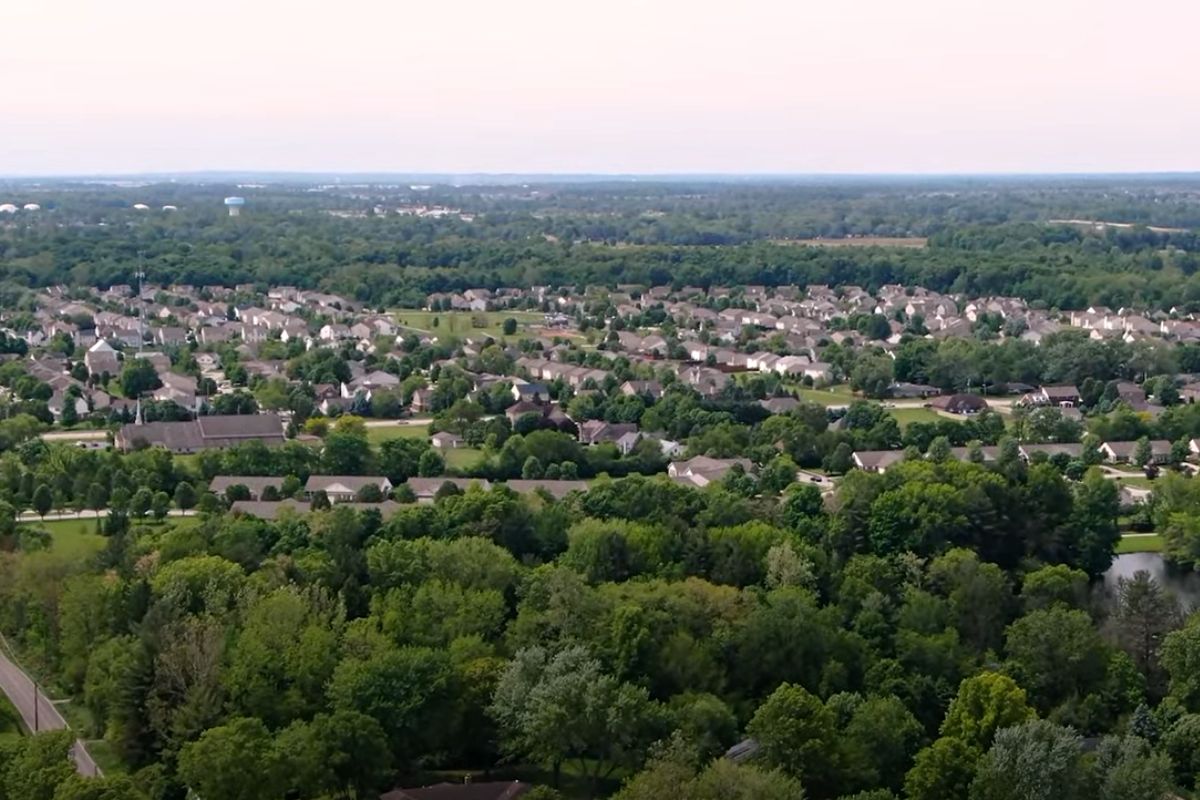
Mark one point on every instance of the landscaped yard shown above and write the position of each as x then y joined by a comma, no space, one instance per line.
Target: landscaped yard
464,323
1140,543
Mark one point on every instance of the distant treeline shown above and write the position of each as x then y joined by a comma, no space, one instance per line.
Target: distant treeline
981,240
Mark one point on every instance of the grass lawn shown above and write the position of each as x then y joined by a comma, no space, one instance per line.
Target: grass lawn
377,435
462,457
465,323
837,395
1140,543
76,538
907,416
1138,481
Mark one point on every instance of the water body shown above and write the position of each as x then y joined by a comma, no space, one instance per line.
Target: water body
1184,585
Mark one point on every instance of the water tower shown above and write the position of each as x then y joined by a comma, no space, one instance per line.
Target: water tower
234,204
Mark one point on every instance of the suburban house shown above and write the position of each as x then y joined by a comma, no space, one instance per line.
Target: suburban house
556,489
426,489
779,405
345,488
1124,452
990,453
902,390
876,460
597,431
256,484
1062,396
100,358
960,404
651,389
444,440
202,433
703,470
1072,450
422,400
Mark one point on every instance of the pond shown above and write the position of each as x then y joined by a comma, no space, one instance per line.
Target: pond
1185,585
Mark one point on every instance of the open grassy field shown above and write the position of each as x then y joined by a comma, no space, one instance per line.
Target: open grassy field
462,457
858,241
465,323
837,395
1140,543
907,416
76,538
378,434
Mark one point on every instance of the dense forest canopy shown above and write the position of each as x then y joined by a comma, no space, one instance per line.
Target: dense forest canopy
985,236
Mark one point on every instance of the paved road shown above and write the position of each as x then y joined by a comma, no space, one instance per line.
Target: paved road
30,516
75,436
20,690
397,423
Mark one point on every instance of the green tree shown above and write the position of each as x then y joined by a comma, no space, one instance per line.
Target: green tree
406,690
1036,760
346,452
431,464
221,761
138,376
1182,744
160,504
1094,521
797,734
509,326
566,708
34,767
1054,584
43,500
1142,452
335,755
1055,653
984,704
942,771
1128,769
1181,658
1145,613
185,496
880,741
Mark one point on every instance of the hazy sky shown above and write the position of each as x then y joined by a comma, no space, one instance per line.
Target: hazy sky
612,86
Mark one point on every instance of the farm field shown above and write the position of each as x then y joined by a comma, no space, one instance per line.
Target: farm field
465,323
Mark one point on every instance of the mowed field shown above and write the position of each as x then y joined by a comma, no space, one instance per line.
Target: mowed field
465,323
917,242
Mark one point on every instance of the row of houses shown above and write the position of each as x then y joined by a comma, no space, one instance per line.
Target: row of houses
1112,452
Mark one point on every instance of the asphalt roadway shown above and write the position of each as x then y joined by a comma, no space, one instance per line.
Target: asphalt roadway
35,707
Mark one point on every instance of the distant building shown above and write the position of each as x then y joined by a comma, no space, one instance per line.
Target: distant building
203,433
